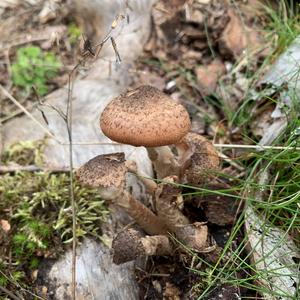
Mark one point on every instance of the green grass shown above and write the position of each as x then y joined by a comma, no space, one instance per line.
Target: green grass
276,201
283,24
279,205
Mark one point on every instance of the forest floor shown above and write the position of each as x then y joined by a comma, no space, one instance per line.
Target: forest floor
210,56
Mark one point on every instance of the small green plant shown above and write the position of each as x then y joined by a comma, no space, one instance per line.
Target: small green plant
283,25
33,67
74,33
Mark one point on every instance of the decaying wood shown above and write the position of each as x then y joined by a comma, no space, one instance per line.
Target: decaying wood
97,276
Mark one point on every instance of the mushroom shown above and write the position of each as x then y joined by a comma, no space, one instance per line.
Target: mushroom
198,159
147,117
107,173
192,235
130,244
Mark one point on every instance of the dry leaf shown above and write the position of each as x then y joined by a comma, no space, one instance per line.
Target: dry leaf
150,78
238,37
218,209
209,75
273,131
232,89
49,11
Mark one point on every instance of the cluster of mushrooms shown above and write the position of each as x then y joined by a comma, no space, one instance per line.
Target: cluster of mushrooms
147,117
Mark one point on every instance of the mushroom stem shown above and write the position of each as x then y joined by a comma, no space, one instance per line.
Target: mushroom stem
166,203
141,214
164,161
130,244
149,184
192,235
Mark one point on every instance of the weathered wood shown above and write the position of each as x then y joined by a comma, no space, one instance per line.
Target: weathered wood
97,276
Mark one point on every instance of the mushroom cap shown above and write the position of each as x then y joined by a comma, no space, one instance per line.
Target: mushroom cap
146,117
127,246
106,172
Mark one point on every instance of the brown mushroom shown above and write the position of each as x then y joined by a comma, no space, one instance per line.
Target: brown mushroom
147,117
107,173
130,244
198,159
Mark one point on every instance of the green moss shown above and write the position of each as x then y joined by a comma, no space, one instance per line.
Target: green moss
25,153
38,208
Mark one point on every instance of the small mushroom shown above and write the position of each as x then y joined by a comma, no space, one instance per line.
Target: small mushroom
130,244
107,173
167,198
198,159
147,117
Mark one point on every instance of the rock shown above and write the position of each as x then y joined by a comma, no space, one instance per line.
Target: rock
90,96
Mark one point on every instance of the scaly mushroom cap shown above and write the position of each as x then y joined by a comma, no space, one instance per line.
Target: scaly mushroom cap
130,244
203,161
127,246
145,117
105,172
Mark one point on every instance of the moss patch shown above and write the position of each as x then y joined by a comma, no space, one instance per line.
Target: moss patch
37,207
